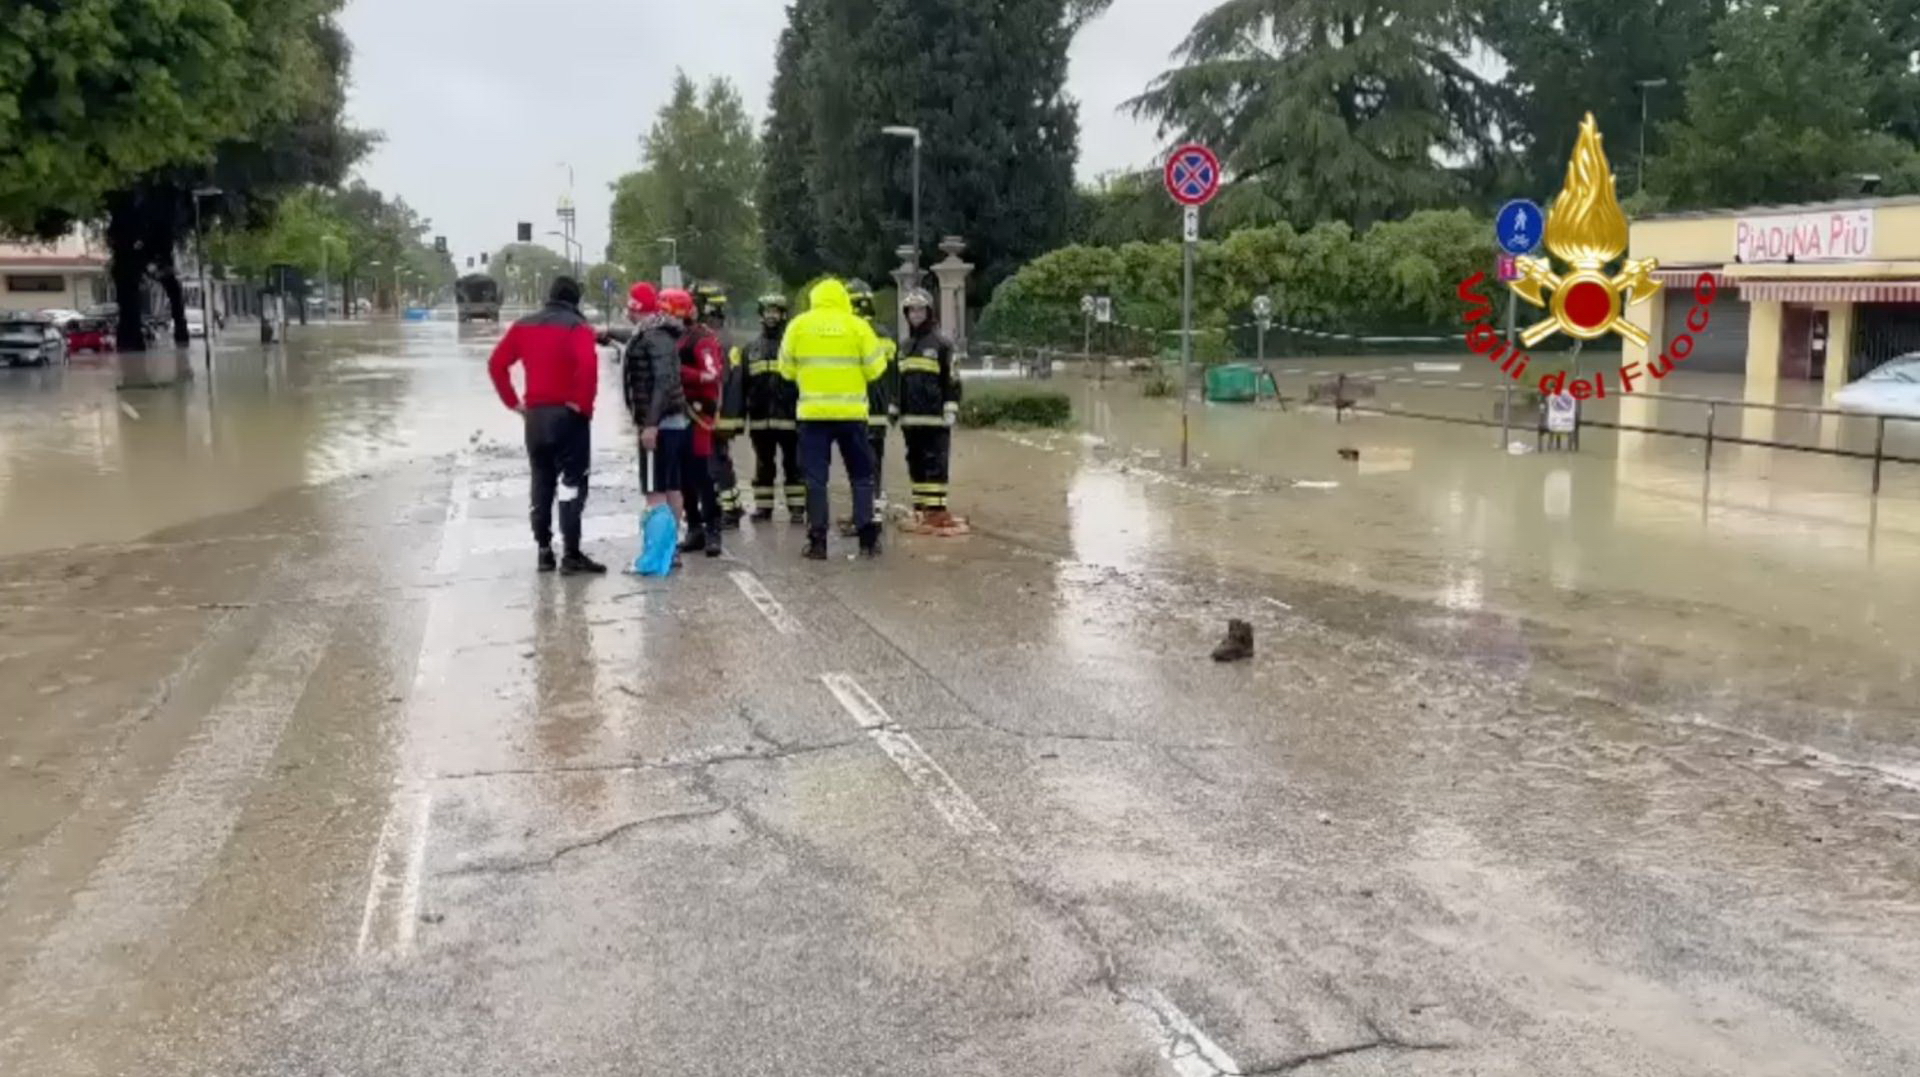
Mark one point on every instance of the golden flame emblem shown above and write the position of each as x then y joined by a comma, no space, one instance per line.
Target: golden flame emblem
1586,229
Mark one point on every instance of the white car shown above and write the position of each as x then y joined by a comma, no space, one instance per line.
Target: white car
196,322
1892,388
60,316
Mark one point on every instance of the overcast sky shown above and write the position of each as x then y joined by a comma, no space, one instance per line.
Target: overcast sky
485,103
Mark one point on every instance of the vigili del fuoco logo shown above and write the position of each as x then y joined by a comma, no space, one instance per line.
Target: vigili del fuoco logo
1587,231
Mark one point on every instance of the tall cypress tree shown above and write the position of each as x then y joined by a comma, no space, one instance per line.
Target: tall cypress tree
787,222
986,86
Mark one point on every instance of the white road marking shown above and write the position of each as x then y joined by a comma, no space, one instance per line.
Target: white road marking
763,600
128,410
1181,1042
399,862
410,879
453,539
934,783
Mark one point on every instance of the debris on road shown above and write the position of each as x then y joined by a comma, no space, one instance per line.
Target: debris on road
1238,643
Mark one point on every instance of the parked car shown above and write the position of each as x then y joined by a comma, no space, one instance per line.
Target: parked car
196,322
90,335
1892,388
30,340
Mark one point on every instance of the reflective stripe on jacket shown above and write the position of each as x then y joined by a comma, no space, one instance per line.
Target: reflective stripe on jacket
832,355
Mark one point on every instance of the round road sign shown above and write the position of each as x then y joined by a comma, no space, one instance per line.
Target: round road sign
1520,226
1193,175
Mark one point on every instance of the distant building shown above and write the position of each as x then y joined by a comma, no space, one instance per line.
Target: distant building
67,274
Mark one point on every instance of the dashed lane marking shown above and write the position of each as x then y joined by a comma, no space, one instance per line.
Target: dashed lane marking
1184,1045
934,783
763,600
453,538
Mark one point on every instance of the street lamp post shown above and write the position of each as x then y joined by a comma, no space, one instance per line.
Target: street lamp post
326,302
673,262
1645,85
900,131
206,299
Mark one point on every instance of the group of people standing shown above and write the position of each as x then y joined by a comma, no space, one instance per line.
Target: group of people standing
800,388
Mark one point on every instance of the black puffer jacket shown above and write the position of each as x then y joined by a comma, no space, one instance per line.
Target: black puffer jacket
650,374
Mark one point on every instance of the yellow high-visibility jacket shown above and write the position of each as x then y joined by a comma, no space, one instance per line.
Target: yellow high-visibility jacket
831,354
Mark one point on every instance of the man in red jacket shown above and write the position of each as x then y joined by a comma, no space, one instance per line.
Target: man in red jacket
555,346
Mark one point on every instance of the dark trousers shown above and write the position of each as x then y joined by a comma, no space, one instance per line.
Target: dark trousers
697,491
724,479
817,441
776,453
559,447
927,450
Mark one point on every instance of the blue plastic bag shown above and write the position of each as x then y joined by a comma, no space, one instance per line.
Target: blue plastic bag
659,539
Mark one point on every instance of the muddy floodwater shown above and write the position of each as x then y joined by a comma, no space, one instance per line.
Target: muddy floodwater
1547,762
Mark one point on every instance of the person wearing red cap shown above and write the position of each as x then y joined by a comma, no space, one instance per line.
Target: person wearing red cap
555,349
650,375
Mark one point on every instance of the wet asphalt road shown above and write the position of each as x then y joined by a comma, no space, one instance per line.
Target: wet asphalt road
307,772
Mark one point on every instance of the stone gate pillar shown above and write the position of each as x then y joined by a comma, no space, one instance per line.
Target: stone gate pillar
953,273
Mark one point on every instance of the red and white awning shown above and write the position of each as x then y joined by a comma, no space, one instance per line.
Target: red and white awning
1681,276
1830,291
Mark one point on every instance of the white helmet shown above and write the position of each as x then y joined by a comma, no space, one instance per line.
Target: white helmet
916,298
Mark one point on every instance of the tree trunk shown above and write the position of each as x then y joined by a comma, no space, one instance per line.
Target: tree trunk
129,271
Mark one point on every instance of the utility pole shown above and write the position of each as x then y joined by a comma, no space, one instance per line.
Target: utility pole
206,297
901,131
1645,86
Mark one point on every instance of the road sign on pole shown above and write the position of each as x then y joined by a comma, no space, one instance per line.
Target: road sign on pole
1520,226
1193,175
1103,309
1193,178
1509,267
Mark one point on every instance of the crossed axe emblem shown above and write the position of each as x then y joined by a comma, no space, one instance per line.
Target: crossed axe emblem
1633,284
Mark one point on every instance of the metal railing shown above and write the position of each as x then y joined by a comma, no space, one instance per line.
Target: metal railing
1343,403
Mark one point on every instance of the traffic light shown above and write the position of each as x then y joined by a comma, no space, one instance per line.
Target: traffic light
483,257
526,232
469,261
439,244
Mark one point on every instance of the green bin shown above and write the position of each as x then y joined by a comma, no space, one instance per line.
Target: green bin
1234,383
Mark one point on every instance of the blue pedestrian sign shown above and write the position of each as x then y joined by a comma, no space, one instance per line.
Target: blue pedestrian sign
1520,226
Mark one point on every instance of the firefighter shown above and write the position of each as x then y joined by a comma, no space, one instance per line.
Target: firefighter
929,405
770,403
883,399
712,301
831,355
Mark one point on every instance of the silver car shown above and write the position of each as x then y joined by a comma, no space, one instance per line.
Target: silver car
1892,388
31,340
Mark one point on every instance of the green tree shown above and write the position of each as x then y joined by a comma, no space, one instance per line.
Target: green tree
125,107
986,90
1346,109
527,270
1794,106
701,169
788,223
1566,58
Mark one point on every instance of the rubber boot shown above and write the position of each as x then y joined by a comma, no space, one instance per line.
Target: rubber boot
816,546
694,542
579,564
1238,644
713,543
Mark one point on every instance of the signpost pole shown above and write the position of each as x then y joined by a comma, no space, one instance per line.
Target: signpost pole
1192,178
1186,329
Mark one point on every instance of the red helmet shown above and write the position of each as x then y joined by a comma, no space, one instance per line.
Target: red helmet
643,299
678,303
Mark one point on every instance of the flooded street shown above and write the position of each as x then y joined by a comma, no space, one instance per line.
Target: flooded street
1548,763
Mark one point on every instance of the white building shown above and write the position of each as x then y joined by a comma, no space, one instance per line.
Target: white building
68,274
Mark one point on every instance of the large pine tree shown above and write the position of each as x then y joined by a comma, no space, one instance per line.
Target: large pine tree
986,86
1345,109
